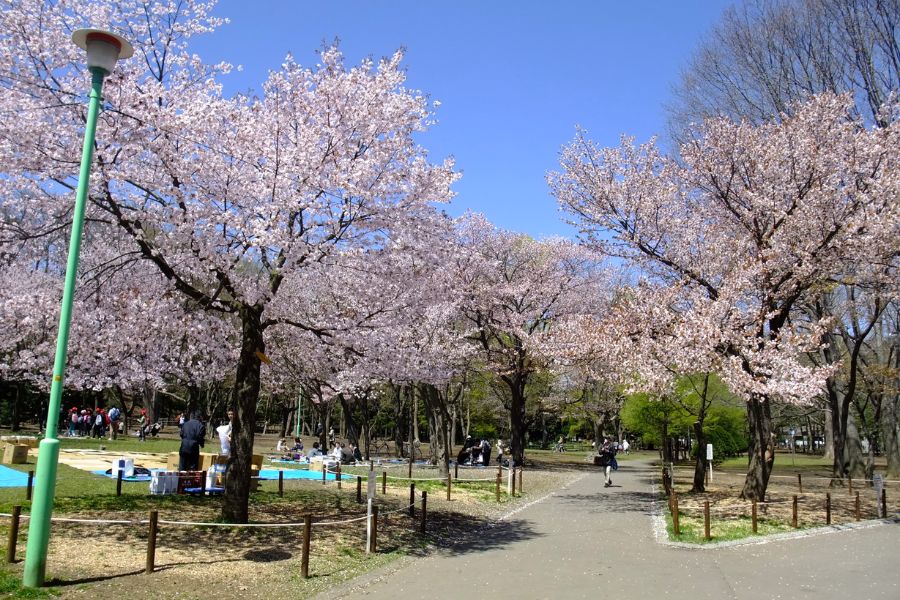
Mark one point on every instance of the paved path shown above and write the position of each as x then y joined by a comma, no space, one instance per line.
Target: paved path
588,541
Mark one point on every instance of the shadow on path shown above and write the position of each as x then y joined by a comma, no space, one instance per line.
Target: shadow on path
497,534
612,500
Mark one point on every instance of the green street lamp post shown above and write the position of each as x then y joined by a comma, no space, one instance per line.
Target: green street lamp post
103,50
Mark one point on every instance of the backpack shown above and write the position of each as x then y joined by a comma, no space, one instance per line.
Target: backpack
113,414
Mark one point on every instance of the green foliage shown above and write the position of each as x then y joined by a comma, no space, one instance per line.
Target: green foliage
724,425
645,417
726,430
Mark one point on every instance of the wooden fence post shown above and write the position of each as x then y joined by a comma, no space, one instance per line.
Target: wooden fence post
412,499
202,483
374,528
800,482
753,520
359,489
151,542
498,487
383,483
13,534
794,514
119,483
280,482
307,534
337,475
30,487
858,515
706,520
424,505
828,508
884,503
324,472
512,473
449,485
676,526
521,477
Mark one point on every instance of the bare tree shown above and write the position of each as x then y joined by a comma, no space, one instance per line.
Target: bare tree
765,55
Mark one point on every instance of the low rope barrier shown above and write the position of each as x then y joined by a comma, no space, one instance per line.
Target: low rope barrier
721,473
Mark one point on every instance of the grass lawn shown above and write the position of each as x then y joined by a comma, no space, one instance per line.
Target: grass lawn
11,587
783,461
722,530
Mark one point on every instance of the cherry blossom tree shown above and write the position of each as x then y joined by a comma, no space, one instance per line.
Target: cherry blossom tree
225,197
515,289
748,222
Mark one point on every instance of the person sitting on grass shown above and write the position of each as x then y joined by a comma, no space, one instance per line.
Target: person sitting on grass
315,450
355,453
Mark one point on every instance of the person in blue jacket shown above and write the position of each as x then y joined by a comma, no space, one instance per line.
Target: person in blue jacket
193,434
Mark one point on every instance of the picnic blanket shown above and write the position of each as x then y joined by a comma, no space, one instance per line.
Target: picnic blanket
299,474
12,478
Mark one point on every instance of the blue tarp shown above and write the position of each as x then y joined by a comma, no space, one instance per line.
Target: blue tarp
12,478
298,474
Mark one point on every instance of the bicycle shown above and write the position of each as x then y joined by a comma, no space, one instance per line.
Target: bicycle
380,447
416,451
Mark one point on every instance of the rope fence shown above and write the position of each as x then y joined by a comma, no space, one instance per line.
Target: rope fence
813,505
194,482
153,523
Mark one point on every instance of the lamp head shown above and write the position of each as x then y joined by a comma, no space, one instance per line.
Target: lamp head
103,48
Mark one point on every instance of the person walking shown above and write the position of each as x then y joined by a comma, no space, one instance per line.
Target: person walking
142,426
193,435
113,415
608,461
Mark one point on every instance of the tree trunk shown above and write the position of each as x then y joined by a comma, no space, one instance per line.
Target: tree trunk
149,397
17,402
351,429
890,429
829,436
517,417
761,451
366,425
286,412
244,400
415,414
700,465
854,460
398,421
454,414
438,427
666,443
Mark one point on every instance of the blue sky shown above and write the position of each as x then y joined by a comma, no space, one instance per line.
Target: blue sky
513,78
